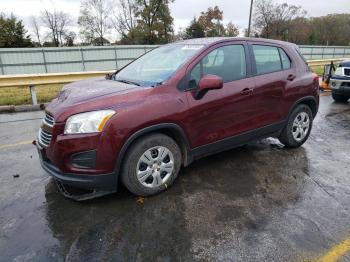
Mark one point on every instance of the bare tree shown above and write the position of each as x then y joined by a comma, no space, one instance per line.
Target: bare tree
231,29
124,20
283,16
263,16
57,22
94,19
36,28
64,21
274,20
70,38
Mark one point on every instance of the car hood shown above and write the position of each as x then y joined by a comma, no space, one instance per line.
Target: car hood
345,63
85,90
93,94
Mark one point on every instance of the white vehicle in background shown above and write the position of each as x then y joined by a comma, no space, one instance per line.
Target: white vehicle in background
340,82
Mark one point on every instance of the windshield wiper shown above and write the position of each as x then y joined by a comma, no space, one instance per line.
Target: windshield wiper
157,84
111,76
127,82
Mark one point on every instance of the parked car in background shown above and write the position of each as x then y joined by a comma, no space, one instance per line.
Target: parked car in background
175,104
340,82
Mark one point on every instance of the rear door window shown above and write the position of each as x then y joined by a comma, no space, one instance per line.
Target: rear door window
267,59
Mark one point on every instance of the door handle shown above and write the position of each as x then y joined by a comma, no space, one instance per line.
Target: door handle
246,91
291,77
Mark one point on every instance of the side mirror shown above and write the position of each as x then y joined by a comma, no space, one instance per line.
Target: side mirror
208,82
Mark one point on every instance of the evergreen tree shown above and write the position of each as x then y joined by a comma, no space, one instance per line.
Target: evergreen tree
13,33
194,30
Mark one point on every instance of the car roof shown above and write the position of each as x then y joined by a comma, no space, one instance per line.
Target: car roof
215,40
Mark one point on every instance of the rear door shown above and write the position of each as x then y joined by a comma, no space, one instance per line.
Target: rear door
273,72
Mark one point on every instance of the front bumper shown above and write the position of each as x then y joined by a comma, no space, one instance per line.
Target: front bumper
95,185
340,86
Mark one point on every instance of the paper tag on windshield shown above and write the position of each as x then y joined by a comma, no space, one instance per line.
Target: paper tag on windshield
192,47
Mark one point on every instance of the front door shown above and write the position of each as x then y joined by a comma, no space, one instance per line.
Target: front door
224,112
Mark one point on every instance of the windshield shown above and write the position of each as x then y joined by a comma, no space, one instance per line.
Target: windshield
157,65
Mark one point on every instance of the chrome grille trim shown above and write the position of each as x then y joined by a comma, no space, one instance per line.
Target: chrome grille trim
44,137
49,120
347,71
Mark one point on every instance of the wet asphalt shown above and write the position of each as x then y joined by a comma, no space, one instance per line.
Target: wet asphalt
259,202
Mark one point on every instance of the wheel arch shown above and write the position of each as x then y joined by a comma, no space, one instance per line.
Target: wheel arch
310,101
170,129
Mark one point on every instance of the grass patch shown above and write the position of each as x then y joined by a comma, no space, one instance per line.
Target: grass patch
317,70
21,95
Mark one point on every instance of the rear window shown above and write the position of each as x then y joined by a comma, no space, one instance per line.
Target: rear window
267,59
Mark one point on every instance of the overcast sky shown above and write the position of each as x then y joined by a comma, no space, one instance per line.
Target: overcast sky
183,11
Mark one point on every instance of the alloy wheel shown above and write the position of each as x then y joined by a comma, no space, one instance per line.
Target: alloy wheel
301,126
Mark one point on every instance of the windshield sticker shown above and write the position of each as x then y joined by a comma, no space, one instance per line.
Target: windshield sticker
191,47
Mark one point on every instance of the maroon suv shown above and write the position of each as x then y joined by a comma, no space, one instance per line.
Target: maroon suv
175,104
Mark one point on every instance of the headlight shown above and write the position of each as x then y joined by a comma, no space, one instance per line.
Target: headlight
88,122
339,71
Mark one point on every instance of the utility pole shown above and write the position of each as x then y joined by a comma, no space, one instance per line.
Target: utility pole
250,16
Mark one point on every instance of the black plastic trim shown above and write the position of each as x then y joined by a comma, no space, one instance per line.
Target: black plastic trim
238,140
85,159
304,99
104,182
198,152
147,130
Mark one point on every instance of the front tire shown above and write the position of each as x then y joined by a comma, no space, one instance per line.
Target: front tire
298,127
339,98
151,165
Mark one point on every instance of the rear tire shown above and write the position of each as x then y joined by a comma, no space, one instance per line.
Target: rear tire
151,165
340,98
298,127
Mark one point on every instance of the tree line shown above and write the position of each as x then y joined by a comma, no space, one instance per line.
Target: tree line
291,23
150,22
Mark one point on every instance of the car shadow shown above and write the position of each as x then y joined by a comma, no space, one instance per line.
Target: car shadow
240,187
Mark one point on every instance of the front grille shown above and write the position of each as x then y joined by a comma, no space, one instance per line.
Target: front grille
44,137
347,71
49,120
345,84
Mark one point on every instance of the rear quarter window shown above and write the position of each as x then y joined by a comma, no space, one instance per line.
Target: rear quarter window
286,63
300,54
302,57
